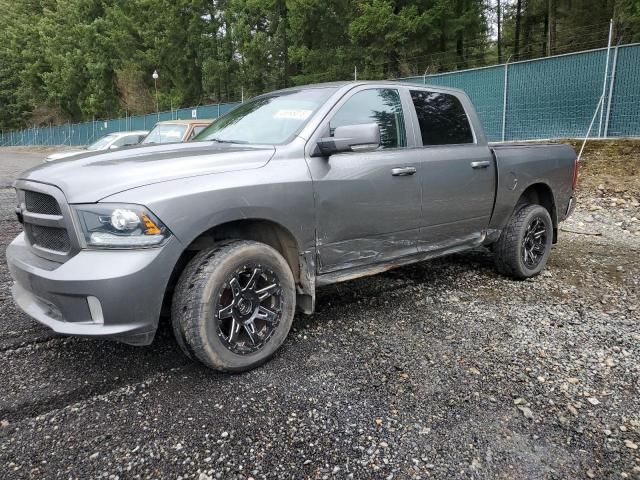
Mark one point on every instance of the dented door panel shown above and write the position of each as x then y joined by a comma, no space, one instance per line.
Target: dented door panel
457,198
364,214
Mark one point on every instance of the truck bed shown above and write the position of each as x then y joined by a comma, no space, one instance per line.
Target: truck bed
521,165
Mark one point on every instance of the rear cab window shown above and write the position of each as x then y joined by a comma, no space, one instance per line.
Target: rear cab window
196,131
198,128
442,119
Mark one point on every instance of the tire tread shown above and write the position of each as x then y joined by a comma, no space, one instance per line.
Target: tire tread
186,307
506,254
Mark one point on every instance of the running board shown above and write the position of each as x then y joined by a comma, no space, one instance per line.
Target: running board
369,270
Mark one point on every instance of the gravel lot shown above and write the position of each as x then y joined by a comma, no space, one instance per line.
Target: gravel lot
438,370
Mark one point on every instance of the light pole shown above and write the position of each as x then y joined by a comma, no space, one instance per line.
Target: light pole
155,83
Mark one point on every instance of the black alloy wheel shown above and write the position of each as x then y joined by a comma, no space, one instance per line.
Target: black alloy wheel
233,305
247,311
524,246
534,243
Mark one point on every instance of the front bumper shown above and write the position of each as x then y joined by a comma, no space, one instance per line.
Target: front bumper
116,294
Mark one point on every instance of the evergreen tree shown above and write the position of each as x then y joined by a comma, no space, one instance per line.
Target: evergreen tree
79,59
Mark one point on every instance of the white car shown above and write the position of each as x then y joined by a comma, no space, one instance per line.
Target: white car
108,142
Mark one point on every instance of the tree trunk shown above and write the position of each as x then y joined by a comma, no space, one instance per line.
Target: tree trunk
527,29
516,46
545,39
284,18
460,35
442,47
499,14
551,44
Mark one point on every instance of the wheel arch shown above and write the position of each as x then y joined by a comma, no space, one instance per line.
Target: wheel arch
541,194
260,230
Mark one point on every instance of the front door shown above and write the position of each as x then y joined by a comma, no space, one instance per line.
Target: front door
368,204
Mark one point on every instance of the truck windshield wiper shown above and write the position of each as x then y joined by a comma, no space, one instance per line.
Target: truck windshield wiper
221,140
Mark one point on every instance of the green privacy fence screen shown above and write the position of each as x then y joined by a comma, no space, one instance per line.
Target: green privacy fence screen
554,97
87,132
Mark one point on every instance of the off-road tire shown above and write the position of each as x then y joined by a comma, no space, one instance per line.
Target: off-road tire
509,249
195,300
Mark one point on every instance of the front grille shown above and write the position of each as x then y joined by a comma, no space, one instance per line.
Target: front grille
36,202
49,237
44,215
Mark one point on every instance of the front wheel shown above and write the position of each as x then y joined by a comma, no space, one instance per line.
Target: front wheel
523,249
234,305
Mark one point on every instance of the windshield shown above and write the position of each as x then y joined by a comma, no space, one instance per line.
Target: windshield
270,119
103,143
166,133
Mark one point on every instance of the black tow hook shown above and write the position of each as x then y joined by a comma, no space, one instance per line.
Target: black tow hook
19,215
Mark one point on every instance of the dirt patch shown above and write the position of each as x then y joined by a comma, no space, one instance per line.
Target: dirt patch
614,165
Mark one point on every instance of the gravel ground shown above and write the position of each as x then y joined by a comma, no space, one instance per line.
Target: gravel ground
437,370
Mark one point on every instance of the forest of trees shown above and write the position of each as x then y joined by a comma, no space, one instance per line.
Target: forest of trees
72,60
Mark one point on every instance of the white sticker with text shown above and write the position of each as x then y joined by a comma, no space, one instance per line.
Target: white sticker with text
293,114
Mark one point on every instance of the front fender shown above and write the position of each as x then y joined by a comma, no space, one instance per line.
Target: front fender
280,192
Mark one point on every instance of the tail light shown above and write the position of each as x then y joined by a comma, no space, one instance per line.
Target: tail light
576,164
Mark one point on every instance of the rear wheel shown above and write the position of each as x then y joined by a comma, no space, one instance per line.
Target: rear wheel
234,305
524,246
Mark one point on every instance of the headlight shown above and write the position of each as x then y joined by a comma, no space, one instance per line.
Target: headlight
110,225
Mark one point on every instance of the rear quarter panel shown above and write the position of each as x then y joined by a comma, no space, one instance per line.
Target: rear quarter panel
520,166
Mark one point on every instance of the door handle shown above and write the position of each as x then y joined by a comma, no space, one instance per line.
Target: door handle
403,171
483,164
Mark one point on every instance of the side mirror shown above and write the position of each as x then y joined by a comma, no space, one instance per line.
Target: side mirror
351,138
113,147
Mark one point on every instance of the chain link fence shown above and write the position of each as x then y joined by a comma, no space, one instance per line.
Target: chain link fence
87,132
553,97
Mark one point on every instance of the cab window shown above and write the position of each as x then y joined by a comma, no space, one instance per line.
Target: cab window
196,130
377,105
199,128
127,141
166,133
442,119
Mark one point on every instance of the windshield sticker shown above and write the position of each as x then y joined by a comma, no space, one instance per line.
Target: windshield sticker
293,114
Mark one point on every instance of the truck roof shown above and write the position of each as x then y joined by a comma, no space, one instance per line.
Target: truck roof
356,83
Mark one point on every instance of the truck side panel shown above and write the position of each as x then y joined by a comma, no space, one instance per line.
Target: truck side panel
521,166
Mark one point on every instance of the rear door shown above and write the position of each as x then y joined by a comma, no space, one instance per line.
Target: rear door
365,211
457,171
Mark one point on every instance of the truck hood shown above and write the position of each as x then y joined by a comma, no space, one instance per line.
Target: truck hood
90,177
65,154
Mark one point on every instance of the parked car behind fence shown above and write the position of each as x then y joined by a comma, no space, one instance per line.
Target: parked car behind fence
108,142
173,131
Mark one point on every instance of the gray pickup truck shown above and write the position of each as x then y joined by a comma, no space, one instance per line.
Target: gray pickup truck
290,191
